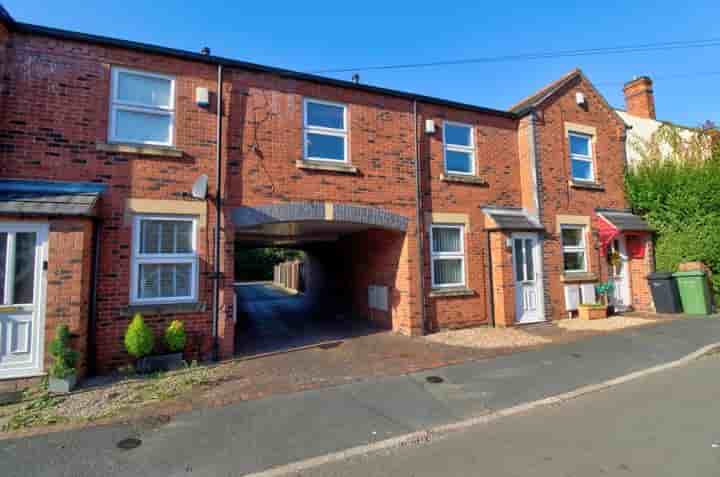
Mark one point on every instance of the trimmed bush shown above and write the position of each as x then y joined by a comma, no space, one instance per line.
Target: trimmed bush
139,339
64,356
175,336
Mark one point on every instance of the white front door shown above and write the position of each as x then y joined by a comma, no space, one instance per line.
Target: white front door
23,251
620,276
528,282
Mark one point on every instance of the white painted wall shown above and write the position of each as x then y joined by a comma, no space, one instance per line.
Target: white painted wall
642,128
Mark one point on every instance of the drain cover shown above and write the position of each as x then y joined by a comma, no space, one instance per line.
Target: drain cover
129,443
576,355
434,379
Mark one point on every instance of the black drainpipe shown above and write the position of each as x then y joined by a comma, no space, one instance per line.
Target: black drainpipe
420,230
218,210
92,312
491,297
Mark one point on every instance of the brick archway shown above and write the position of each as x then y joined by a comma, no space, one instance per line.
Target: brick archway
251,217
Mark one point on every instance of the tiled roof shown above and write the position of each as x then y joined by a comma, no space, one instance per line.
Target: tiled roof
512,219
624,220
535,99
34,197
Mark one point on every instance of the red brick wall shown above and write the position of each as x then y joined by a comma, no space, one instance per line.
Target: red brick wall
496,155
56,112
4,36
70,256
558,196
266,139
639,269
503,280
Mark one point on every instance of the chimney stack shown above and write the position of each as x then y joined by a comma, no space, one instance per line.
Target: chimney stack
639,97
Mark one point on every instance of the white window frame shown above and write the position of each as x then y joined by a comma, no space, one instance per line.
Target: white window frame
459,148
117,105
309,129
434,256
575,248
159,258
582,157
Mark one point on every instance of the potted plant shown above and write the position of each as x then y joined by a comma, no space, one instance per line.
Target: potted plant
597,311
139,342
63,376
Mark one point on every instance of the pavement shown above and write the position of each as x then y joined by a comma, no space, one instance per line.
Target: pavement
271,319
253,436
660,425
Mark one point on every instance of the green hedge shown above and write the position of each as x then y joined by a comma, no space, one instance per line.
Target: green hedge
682,202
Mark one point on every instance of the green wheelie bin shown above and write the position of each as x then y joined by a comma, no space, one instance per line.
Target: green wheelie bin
694,292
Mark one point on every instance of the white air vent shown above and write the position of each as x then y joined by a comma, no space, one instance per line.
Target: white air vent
580,98
572,297
378,297
588,294
202,97
429,126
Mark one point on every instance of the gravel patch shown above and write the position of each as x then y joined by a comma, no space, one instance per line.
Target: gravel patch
534,335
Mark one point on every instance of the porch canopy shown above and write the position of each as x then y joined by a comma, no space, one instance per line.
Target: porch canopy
613,222
39,197
510,218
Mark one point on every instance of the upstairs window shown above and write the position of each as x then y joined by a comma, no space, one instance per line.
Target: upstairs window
325,131
573,248
581,157
447,256
459,148
142,108
165,261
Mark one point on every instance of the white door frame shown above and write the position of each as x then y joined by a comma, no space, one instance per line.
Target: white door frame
625,282
39,299
538,279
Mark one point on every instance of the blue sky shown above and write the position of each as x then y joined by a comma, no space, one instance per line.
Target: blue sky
310,36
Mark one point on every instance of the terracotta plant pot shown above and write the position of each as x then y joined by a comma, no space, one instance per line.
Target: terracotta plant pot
592,312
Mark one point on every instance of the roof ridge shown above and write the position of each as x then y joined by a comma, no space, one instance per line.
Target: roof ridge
534,98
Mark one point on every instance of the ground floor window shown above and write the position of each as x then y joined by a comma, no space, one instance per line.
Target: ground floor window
573,247
165,261
447,255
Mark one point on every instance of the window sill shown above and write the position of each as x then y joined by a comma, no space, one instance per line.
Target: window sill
586,185
451,291
578,277
164,309
463,179
145,150
323,166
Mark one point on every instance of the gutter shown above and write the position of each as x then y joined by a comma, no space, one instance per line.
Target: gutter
419,229
491,285
92,312
218,215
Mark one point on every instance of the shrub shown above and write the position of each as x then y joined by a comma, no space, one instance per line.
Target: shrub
139,338
175,336
64,356
680,200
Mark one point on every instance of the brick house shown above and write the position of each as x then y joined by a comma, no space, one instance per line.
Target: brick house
422,213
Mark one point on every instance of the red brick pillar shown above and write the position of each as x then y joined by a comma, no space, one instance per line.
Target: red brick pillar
503,283
639,270
70,256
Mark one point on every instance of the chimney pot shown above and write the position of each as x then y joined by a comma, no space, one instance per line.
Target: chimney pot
639,97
